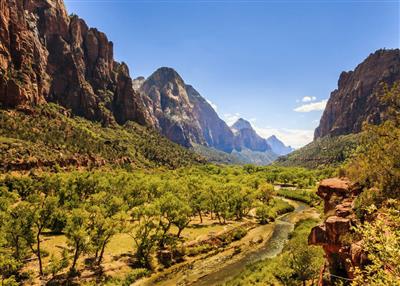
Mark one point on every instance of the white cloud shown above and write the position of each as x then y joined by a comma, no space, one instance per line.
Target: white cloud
230,118
308,99
294,137
214,106
315,106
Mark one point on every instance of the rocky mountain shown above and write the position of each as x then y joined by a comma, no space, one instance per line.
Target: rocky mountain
215,131
182,114
48,56
247,138
169,105
356,98
278,147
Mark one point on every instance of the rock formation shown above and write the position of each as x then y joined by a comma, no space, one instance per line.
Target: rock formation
170,107
215,131
247,137
357,98
181,113
48,56
341,256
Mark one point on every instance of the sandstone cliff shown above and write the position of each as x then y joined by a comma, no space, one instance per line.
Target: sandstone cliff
356,98
341,255
46,55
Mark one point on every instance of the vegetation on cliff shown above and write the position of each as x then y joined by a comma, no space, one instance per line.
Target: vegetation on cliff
376,168
49,137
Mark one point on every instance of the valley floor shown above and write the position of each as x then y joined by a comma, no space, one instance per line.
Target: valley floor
210,268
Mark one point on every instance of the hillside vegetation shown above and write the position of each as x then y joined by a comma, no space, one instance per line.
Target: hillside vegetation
323,152
48,137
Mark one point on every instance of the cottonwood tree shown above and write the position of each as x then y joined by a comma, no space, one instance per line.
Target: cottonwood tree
107,217
18,229
145,232
42,208
77,233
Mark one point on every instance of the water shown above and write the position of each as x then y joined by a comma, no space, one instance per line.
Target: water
274,246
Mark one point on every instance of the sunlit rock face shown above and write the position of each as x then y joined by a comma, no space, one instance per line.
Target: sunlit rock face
357,97
46,55
181,113
338,195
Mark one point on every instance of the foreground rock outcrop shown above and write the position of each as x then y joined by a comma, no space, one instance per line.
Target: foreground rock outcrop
333,235
48,56
357,97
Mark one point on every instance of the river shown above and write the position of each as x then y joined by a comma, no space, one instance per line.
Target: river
283,227
217,269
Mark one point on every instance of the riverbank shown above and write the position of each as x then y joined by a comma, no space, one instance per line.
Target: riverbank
262,241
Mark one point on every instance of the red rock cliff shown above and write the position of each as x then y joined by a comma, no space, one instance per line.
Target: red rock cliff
356,99
341,257
46,55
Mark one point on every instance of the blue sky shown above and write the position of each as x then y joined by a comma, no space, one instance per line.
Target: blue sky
261,60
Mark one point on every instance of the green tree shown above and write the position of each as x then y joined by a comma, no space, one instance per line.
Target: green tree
42,208
145,232
18,229
381,240
77,233
107,217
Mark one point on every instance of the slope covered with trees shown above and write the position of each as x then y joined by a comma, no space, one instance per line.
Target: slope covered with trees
50,138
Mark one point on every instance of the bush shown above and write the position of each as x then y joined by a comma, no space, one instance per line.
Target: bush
135,275
239,233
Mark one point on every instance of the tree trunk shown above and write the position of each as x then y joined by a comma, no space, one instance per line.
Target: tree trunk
179,232
17,247
201,217
219,218
39,255
96,254
76,255
103,247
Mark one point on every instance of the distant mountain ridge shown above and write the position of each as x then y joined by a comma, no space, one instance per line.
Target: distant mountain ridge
181,114
247,138
278,146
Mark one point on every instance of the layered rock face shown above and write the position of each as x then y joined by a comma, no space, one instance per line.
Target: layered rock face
247,137
356,100
181,113
45,55
341,257
170,107
215,131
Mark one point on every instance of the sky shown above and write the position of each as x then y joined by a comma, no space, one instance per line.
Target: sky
271,62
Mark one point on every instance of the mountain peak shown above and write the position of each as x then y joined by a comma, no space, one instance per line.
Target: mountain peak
166,74
241,124
278,146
